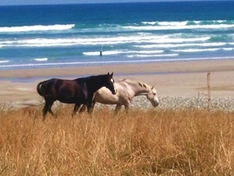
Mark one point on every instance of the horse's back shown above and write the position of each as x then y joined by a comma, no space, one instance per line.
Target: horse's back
104,95
126,90
70,91
59,87
44,88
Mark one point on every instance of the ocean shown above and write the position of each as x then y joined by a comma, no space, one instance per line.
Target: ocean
75,35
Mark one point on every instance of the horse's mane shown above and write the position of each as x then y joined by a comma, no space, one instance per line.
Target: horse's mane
130,81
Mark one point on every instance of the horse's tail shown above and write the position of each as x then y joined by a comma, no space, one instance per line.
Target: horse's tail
40,89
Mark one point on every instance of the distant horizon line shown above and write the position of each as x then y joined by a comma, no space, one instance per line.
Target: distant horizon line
159,1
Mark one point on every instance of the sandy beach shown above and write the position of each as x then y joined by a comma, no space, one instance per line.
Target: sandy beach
183,79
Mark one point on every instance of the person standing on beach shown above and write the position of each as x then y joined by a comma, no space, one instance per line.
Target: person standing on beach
101,51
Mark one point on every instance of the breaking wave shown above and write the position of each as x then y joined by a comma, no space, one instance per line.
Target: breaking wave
17,29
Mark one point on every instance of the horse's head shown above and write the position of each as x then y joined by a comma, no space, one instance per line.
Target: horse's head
110,83
152,96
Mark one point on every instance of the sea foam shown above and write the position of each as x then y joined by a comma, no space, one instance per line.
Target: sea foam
56,27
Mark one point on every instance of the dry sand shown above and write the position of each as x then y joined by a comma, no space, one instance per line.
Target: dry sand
183,79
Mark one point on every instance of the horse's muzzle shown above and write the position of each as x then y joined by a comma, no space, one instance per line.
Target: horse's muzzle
114,92
155,103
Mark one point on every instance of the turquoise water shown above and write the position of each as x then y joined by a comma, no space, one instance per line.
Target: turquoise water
74,35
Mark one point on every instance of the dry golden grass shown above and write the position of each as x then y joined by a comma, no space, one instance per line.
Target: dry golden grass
152,142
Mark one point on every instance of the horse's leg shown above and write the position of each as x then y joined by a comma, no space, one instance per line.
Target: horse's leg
91,107
45,110
47,107
76,107
82,109
50,111
117,108
126,108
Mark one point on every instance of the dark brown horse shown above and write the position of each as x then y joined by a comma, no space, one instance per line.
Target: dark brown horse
78,91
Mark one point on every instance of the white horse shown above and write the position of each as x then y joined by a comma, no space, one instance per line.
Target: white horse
126,89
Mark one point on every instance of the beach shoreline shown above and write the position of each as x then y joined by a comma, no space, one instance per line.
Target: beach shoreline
173,79
167,67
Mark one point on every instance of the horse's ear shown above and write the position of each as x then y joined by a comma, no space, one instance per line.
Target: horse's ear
152,87
110,74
